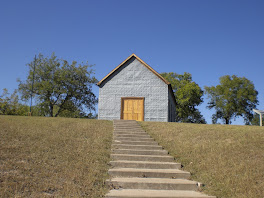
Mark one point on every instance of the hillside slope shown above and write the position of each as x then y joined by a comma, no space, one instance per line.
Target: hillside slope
229,160
53,157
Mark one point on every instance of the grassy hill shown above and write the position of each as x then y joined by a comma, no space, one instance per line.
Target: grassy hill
64,157
229,160
53,157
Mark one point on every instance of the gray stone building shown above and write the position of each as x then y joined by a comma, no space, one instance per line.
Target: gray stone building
135,91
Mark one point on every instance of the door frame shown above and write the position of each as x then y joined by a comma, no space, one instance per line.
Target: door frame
122,105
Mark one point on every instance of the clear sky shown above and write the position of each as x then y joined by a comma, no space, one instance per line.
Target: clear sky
207,38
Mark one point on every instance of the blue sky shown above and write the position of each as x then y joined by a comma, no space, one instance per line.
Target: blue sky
207,38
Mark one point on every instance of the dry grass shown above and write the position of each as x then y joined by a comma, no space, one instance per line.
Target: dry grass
53,157
229,160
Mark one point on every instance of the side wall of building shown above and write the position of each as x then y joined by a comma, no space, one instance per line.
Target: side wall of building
133,80
172,108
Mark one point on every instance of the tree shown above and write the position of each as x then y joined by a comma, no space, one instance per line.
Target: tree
10,105
188,95
58,84
234,97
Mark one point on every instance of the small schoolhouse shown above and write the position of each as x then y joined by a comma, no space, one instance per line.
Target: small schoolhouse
135,91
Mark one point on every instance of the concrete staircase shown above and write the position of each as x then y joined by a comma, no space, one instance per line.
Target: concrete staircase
142,169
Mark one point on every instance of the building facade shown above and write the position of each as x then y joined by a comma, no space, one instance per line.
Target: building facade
135,91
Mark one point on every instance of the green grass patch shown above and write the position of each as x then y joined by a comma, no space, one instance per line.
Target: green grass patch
229,160
53,157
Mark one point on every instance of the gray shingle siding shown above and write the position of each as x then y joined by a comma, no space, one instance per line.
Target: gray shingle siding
134,80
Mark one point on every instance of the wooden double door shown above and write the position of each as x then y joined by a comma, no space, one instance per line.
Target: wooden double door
132,108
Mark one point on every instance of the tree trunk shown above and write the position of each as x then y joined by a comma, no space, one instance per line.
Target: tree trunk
51,110
227,120
61,106
60,109
56,115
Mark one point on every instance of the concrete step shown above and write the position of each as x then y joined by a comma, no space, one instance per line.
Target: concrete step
125,123
129,131
131,122
155,173
131,135
134,139
145,164
152,183
127,126
140,193
139,147
151,158
139,152
121,120
135,142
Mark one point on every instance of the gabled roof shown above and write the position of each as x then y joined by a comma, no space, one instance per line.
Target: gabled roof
145,64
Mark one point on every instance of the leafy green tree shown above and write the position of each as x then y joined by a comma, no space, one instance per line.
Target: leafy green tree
10,105
188,95
234,97
4,102
61,85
